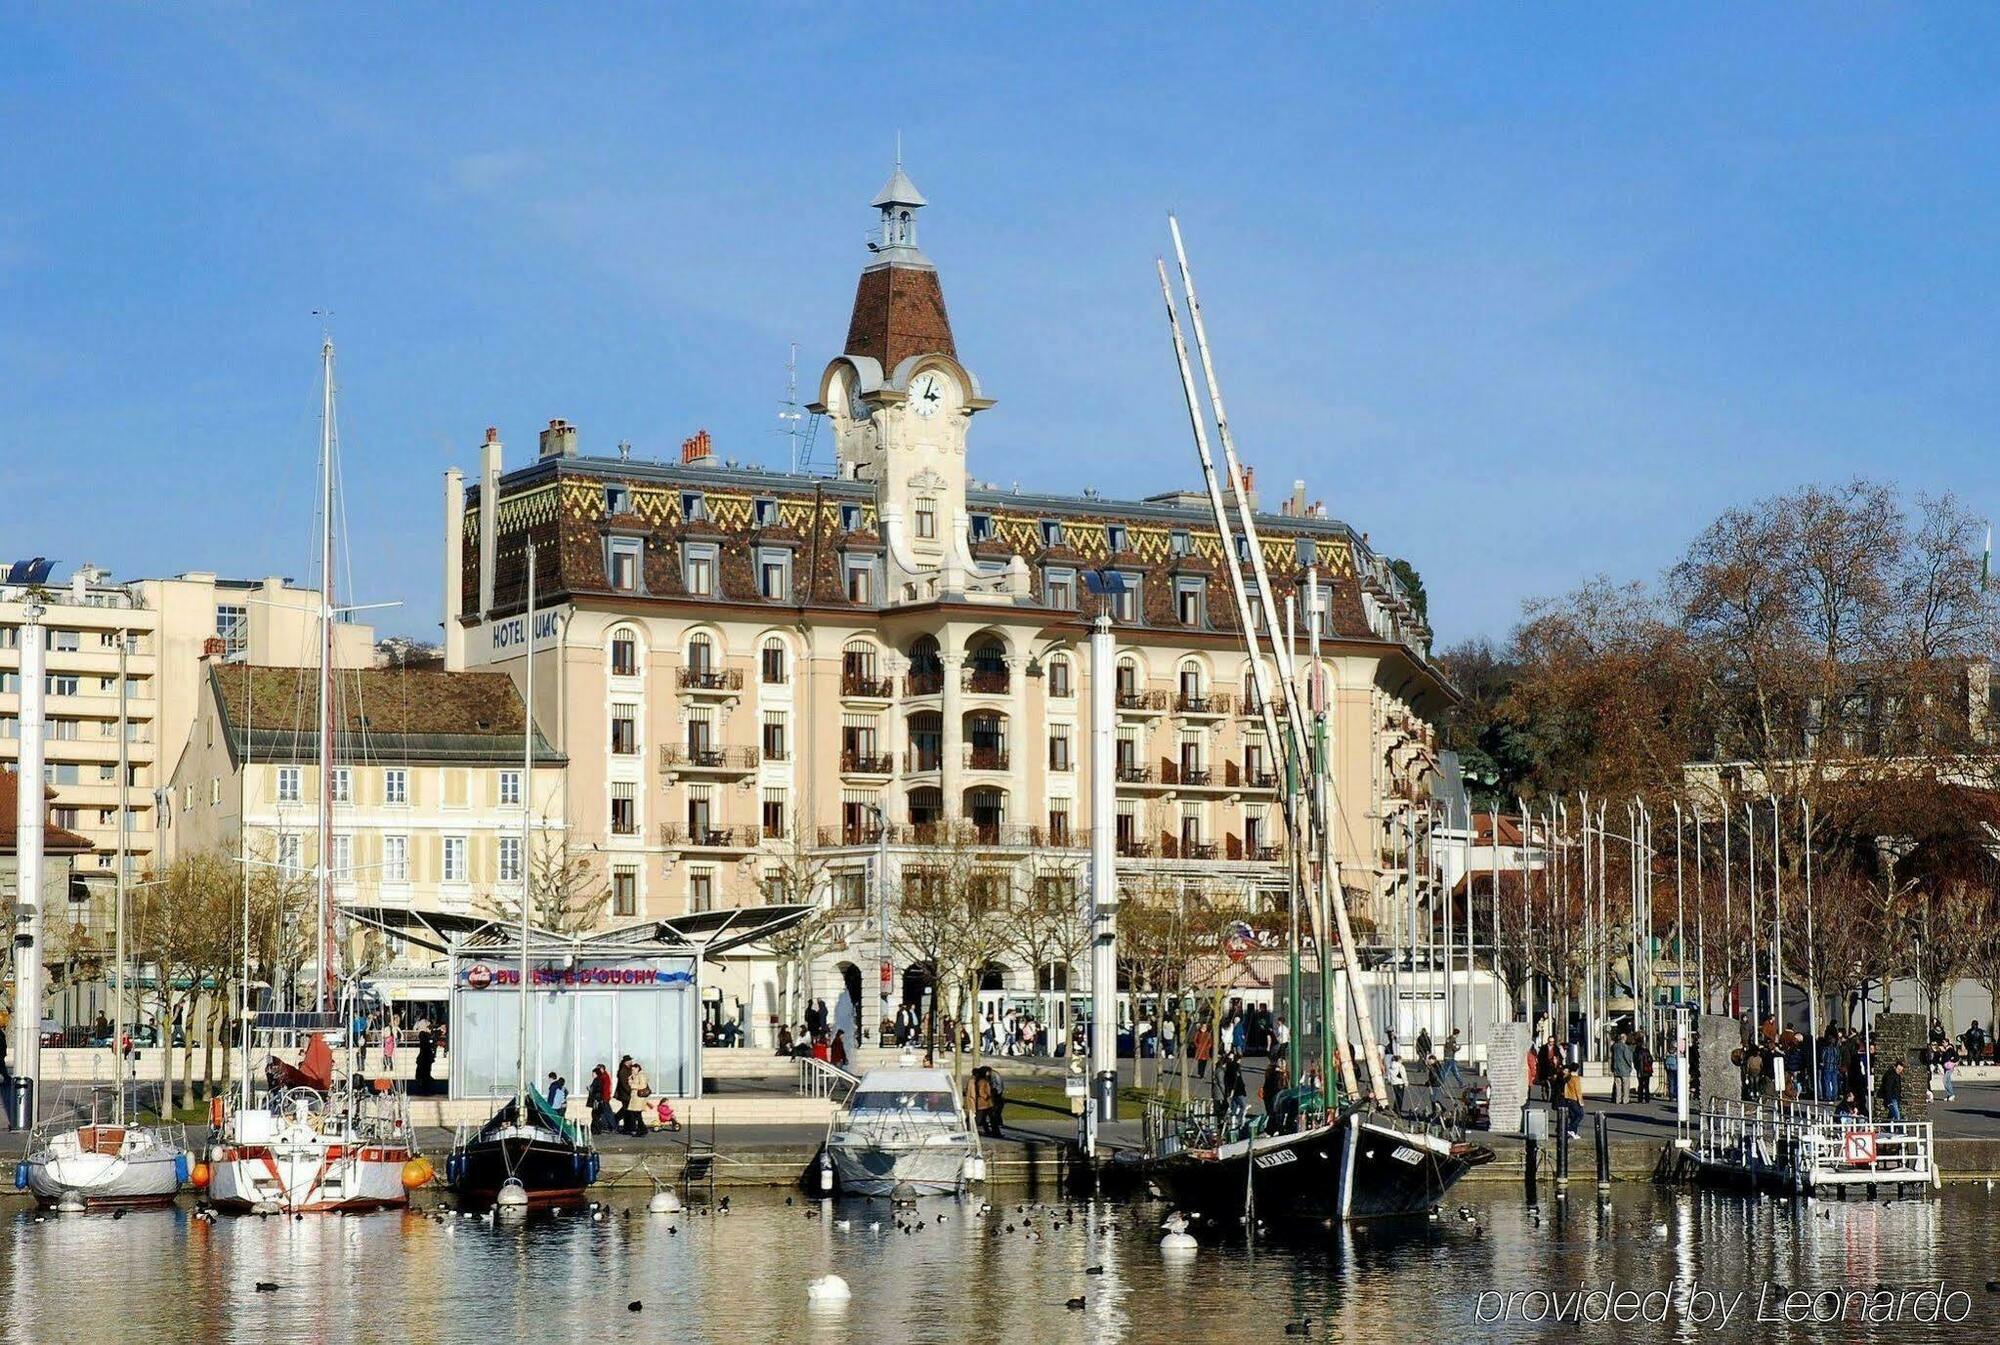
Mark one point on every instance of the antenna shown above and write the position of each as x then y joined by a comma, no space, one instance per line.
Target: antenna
794,421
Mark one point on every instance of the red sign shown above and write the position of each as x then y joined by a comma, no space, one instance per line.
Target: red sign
888,977
1239,942
479,976
1858,1149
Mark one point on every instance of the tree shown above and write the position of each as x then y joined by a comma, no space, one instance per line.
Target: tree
1046,924
187,923
1413,585
953,918
796,875
568,894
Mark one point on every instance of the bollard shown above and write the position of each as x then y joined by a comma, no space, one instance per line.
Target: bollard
1603,1154
1532,1163
1562,1150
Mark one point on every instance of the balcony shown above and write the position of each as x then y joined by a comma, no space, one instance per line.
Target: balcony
1251,707
928,683
1251,776
866,687
709,838
1251,849
923,760
986,757
1204,707
866,763
993,835
703,760
711,681
1174,847
1135,847
867,834
1142,702
986,681
1133,773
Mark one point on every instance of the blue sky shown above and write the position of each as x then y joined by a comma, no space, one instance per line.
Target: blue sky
1525,301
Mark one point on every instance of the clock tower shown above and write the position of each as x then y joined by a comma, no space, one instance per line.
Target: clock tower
900,402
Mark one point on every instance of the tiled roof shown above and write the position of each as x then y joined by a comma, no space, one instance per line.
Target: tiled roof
381,714
55,840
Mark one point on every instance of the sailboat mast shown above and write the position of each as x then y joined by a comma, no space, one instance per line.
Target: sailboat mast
324,869
1331,901
124,864
527,814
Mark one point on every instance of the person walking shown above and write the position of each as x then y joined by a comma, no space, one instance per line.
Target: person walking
1621,1070
1948,1064
1829,1063
836,1054
1423,1043
1450,1072
1204,1047
1572,1092
1642,1060
602,1122
389,1049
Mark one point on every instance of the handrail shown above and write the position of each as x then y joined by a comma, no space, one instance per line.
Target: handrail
823,1078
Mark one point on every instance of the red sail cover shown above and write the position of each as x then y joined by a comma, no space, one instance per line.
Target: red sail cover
315,1071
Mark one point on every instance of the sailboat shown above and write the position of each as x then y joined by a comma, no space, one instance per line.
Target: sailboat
96,1166
527,1153
314,1144
1317,1159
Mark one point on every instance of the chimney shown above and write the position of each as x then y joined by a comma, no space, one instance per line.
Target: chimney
1296,506
559,439
1250,487
697,447
489,516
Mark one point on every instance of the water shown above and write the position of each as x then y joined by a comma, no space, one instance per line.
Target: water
163,1277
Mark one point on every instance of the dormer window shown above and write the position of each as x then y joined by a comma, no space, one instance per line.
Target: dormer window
980,527
1307,551
617,500
850,517
1115,537
765,513
1052,533
622,557
694,507
1177,543
1059,589
1243,549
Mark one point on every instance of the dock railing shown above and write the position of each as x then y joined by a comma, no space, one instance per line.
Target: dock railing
1807,1145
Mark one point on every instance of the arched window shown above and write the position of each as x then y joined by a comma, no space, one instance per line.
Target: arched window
772,662
624,654
701,654
1060,684
1128,679
988,666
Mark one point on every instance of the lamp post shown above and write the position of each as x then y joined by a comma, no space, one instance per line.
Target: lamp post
29,806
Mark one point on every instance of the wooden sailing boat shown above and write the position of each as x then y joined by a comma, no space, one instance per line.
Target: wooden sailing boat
315,1145
527,1153
97,1166
1356,1159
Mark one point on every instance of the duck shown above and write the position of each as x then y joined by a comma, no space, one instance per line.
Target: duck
828,1288
1074,1304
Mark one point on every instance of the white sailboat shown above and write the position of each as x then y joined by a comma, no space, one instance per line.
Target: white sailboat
311,1144
96,1166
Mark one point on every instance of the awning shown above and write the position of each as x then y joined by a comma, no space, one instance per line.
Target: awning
706,934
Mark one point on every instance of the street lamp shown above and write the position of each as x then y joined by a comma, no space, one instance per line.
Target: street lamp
884,971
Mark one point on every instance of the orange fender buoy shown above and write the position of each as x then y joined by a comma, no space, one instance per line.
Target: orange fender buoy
418,1172
200,1176
215,1110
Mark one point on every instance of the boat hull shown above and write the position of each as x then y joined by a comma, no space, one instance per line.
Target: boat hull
308,1178
1354,1168
120,1178
864,1169
552,1173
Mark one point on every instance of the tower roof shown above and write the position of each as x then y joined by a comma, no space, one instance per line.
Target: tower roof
898,190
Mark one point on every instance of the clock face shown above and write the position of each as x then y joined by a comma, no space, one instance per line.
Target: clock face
927,393
857,406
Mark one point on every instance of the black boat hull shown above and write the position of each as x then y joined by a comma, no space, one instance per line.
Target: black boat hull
1355,1168
552,1173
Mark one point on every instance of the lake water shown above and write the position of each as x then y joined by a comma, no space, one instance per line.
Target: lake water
167,1277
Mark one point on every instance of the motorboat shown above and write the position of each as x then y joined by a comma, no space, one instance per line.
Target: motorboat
903,1132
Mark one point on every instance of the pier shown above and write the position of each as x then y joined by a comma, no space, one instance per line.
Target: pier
1805,1148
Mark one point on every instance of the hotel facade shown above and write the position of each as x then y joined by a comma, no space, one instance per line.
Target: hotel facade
742,665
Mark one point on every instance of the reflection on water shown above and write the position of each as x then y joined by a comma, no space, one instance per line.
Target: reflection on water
166,1277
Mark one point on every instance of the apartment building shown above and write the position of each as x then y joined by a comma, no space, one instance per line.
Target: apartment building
429,786
741,663
167,625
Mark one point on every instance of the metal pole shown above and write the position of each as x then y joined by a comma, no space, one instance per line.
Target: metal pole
1680,915
1103,849
527,821
1729,1005
884,973
124,874
1777,921
1700,923
1812,948
324,886
1756,1015
29,815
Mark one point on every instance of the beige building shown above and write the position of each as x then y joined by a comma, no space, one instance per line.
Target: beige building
736,660
428,794
170,624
